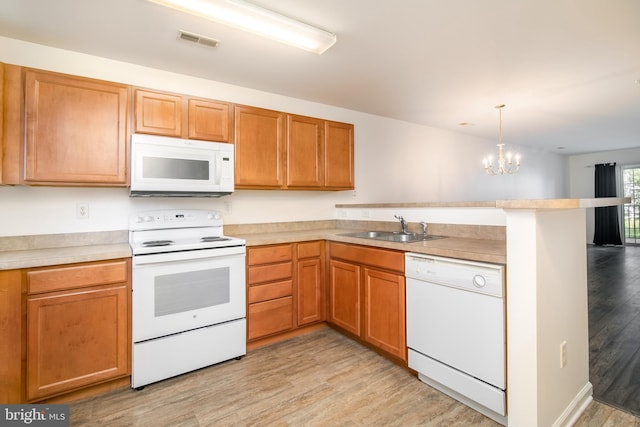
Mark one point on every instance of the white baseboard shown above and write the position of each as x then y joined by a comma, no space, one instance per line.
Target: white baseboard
577,406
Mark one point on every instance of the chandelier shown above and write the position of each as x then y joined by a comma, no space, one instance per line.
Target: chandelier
505,163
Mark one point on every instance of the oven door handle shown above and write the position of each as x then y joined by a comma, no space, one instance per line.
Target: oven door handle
229,251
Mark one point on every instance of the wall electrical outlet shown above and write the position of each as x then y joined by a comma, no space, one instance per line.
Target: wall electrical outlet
563,354
82,211
227,206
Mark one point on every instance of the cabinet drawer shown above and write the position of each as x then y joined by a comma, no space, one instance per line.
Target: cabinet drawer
269,254
309,249
75,276
269,317
269,273
270,291
381,258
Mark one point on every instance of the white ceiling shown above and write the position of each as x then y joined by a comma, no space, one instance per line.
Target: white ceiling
568,70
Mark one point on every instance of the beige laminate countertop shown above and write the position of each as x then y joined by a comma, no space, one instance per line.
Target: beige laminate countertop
505,204
28,258
493,251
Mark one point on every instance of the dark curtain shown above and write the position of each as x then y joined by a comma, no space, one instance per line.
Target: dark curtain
607,224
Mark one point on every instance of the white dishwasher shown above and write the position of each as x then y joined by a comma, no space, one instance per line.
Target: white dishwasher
456,329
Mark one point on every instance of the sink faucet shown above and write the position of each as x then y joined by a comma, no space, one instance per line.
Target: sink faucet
403,223
424,229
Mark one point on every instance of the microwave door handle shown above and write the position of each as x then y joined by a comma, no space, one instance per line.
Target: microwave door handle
218,168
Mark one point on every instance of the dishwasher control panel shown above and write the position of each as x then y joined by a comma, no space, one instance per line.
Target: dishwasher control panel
467,275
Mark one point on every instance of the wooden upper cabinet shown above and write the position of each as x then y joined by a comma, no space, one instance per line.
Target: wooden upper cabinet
11,123
158,113
285,151
304,151
259,141
76,130
179,116
338,156
209,120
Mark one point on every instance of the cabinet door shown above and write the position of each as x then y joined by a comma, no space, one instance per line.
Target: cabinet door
158,113
304,152
209,121
76,130
344,296
11,332
309,280
384,295
338,155
76,338
11,124
259,140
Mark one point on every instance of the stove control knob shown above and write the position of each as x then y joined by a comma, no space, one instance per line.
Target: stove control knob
148,218
215,216
139,219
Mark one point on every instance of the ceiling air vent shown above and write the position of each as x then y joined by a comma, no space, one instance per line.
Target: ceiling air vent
196,38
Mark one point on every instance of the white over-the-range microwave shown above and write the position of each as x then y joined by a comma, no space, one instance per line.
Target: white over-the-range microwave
174,167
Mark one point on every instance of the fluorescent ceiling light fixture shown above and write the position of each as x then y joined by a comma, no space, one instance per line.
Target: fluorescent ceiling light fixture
254,19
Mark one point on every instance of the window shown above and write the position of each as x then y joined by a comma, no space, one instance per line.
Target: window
631,188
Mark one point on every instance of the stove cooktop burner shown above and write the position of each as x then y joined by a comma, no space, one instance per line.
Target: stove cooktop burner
214,239
151,243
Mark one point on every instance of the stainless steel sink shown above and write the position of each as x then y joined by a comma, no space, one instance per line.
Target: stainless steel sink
392,236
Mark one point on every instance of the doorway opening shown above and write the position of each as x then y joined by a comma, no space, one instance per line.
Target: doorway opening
631,211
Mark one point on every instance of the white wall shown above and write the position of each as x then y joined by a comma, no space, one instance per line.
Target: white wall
546,306
582,176
395,161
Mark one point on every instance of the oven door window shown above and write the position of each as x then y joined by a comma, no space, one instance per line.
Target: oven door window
192,290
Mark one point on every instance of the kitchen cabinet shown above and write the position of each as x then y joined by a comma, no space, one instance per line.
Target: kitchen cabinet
76,130
260,142
338,156
11,124
270,308
181,116
309,267
77,326
11,333
319,154
345,296
384,311
367,295
275,150
304,152
284,287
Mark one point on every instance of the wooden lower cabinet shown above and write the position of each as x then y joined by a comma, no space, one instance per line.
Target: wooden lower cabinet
345,296
11,335
77,327
367,295
384,308
284,287
309,284
269,290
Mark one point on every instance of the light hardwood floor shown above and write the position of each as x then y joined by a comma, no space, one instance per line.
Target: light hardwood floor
318,379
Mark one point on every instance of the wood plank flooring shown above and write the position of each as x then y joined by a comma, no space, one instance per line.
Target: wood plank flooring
318,379
614,325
